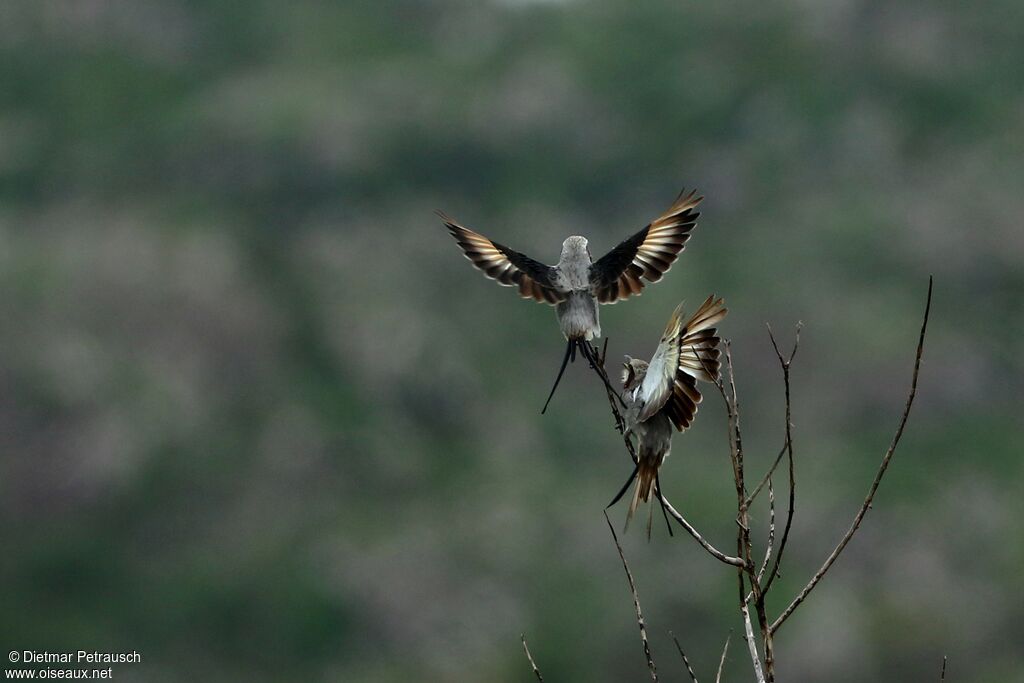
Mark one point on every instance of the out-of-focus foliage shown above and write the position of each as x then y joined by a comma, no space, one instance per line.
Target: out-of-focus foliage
259,420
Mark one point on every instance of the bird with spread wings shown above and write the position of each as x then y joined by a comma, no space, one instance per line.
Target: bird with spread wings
578,284
662,395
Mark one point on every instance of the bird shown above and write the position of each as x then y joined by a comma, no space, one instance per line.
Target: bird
578,284
662,395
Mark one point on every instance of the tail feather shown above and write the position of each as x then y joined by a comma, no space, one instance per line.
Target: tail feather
570,355
646,475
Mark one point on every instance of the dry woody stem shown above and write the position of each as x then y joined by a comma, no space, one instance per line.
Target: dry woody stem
859,517
636,603
721,662
533,664
686,662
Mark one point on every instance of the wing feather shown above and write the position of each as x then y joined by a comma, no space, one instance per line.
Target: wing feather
647,254
699,354
506,266
688,352
657,385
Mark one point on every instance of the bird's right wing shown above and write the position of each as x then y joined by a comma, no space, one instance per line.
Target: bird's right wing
699,352
687,352
507,267
648,254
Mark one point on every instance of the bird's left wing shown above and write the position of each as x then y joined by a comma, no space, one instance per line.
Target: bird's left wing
648,254
506,266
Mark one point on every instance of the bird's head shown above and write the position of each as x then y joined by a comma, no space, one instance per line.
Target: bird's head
633,372
575,247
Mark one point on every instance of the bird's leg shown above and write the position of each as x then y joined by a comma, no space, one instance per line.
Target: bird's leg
569,350
589,353
661,501
622,491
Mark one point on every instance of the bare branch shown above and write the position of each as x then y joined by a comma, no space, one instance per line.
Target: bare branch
721,662
771,531
874,484
749,629
767,476
636,603
785,363
744,546
533,665
720,385
942,676
689,669
737,435
716,553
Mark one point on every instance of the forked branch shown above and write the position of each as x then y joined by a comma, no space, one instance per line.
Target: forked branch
785,363
802,595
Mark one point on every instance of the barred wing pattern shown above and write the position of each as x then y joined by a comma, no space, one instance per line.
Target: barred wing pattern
507,267
648,254
672,387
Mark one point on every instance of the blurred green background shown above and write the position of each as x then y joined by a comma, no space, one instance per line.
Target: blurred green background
261,421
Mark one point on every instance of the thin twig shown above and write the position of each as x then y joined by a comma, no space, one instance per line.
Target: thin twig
767,476
785,363
874,484
737,434
636,603
715,552
720,385
689,669
721,662
744,547
749,628
533,664
771,531
942,676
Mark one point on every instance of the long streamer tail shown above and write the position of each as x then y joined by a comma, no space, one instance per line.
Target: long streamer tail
646,476
570,350
622,491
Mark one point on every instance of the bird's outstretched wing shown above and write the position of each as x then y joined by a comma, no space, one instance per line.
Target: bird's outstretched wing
661,371
687,352
506,266
647,254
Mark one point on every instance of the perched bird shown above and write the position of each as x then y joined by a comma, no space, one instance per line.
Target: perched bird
578,283
662,395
